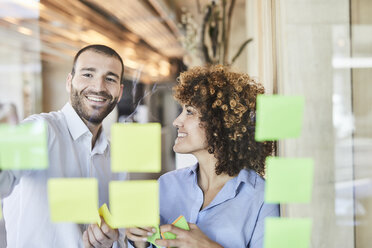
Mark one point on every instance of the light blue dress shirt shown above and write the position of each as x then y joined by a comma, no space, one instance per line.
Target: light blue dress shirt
235,217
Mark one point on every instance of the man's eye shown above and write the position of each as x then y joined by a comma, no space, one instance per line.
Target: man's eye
88,75
113,80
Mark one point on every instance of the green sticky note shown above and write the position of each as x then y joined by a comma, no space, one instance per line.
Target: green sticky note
278,117
136,147
73,200
134,203
288,180
287,233
154,237
23,147
180,222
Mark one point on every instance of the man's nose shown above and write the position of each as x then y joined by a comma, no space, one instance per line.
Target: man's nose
99,84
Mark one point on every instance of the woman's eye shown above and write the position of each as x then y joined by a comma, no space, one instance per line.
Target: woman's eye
189,112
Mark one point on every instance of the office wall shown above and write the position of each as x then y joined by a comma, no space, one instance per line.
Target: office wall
310,35
54,84
361,45
298,44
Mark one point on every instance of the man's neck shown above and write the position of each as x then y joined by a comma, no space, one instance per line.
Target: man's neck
95,129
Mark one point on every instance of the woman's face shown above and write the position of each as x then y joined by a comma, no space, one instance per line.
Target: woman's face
191,136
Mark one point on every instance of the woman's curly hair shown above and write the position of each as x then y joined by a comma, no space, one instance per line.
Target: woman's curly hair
227,103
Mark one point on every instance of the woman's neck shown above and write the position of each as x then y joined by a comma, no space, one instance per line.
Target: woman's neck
207,177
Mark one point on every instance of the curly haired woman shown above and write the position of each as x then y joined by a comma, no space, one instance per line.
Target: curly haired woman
222,196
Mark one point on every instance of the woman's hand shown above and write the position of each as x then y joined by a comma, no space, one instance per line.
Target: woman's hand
185,239
139,235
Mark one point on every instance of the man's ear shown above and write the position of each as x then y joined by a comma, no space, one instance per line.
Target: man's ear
121,91
68,82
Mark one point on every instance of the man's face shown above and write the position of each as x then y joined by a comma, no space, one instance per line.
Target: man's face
95,88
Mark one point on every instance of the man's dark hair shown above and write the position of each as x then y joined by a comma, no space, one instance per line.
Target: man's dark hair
100,49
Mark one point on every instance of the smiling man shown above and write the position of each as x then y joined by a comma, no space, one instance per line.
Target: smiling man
77,148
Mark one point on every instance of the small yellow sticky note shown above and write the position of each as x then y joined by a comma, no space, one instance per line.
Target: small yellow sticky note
289,180
278,117
73,200
287,233
136,147
105,213
134,203
23,147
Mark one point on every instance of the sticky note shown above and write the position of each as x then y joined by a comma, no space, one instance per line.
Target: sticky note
134,203
180,222
136,147
289,180
23,147
154,237
278,117
73,200
106,215
287,233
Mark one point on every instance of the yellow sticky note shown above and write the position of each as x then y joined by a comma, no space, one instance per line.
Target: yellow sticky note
136,147
23,147
287,233
279,117
73,200
289,180
134,203
105,213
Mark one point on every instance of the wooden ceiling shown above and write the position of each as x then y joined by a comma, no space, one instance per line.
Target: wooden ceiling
144,32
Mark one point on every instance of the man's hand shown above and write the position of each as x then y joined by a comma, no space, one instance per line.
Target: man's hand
194,238
100,237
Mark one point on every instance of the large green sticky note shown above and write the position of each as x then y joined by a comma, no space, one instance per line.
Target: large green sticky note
180,222
278,117
73,200
287,233
23,147
134,203
136,147
288,180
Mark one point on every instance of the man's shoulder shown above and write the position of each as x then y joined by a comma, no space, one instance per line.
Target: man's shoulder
50,117
54,120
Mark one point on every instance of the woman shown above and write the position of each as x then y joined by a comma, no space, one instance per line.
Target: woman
222,196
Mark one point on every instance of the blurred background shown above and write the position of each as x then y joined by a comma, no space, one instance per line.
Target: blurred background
319,49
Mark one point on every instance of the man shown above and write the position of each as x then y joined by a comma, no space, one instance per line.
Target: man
77,147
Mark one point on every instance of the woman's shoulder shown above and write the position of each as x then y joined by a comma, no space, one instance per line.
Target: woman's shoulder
178,174
254,182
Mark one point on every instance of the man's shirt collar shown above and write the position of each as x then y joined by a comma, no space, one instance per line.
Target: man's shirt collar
75,124
77,128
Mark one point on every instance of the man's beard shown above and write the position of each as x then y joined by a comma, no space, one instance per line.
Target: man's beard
98,114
